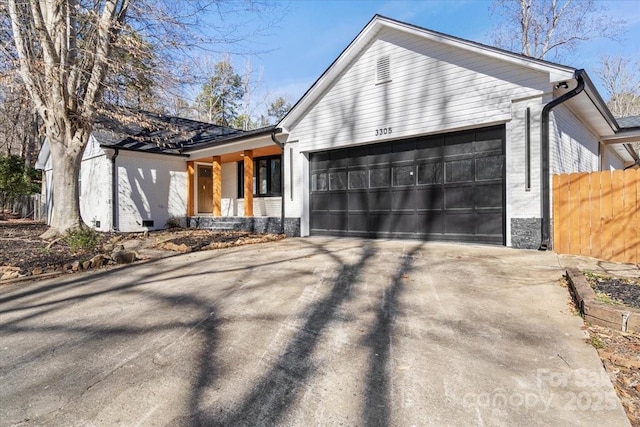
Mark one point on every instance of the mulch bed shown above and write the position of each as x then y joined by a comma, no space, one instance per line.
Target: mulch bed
24,253
622,290
21,247
620,354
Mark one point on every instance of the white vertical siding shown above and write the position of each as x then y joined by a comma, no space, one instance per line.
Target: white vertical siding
293,174
95,191
433,88
574,148
150,188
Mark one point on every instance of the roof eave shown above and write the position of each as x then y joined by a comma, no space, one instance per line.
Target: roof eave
160,153
234,139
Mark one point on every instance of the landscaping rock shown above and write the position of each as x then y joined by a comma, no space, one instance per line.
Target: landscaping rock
124,257
98,261
86,265
170,246
37,271
76,266
8,275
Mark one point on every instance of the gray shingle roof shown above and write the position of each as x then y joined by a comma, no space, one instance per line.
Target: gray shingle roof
156,133
629,122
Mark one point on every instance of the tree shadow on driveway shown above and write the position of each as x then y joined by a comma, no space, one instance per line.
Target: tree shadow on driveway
273,394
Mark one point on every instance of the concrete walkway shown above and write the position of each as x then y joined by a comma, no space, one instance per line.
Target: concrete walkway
314,331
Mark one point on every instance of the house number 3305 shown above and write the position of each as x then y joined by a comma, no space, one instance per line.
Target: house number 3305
383,131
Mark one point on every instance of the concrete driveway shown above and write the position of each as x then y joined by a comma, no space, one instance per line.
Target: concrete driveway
314,331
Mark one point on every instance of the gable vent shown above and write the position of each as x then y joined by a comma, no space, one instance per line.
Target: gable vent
383,69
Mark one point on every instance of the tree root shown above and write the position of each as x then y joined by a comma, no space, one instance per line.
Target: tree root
53,242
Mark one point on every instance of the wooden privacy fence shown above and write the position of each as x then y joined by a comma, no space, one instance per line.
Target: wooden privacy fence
596,214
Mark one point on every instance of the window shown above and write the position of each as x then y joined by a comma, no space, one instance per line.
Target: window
338,180
267,177
319,181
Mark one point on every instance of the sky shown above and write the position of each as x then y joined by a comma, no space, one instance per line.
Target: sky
308,36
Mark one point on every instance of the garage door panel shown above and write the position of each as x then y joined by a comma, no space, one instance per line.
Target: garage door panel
379,177
448,187
338,202
358,179
430,223
458,171
403,175
380,153
459,197
460,223
430,173
358,221
489,168
338,221
490,224
403,223
380,200
339,158
380,222
403,150
429,198
319,181
319,201
459,143
358,201
430,148
403,200
489,196
320,160
320,221
337,180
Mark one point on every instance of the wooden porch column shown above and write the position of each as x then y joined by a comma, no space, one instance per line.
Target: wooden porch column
190,188
217,186
248,183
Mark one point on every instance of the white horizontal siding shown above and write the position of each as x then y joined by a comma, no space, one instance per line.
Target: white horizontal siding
574,148
263,206
150,188
433,88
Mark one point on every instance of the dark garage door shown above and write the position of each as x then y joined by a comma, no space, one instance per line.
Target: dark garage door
442,187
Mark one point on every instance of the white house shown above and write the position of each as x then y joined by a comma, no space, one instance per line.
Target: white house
409,133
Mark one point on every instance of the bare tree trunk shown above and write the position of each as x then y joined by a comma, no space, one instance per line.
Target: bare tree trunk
66,156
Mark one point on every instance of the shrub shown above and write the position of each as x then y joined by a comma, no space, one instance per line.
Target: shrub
83,238
173,222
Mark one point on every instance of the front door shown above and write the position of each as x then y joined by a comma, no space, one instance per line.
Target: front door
205,189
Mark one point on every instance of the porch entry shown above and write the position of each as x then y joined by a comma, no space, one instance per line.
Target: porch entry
205,189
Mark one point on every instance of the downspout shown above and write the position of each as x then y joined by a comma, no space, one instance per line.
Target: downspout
544,142
281,145
114,191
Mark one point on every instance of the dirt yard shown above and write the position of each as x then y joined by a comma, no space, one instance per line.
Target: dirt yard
23,253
